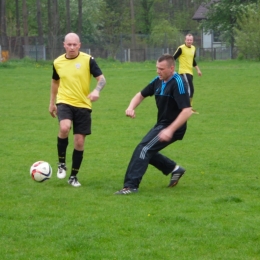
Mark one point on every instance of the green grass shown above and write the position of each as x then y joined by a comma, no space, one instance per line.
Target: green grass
213,213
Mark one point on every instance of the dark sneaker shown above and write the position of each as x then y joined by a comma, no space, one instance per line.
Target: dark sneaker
73,181
126,191
176,175
61,173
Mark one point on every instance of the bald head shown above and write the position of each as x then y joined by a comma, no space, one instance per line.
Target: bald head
72,45
71,36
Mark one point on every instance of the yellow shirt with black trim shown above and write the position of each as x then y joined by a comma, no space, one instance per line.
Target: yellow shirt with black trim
186,59
75,80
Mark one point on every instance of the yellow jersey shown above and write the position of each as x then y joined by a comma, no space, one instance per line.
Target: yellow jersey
75,80
186,57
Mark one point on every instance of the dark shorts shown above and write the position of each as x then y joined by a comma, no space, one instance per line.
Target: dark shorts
80,117
189,81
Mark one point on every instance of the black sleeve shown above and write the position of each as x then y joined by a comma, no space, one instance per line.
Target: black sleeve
177,54
194,61
149,90
94,68
55,74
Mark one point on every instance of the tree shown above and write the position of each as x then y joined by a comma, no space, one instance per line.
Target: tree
177,12
145,16
3,26
68,21
25,24
133,40
222,17
247,32
18,29
168,37
39,22
50,27
80,18
109,23
114,19
54,26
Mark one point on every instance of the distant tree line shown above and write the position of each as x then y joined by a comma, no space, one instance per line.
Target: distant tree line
96,21
106,23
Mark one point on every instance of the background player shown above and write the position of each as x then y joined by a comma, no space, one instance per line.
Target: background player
186,54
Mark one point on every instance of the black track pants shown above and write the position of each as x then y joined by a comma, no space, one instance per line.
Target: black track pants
147,152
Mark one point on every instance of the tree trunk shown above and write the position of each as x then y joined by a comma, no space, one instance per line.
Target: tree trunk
50,30
3,33
68,21
39,22
25,26
80,18
56,27
18,30
133,41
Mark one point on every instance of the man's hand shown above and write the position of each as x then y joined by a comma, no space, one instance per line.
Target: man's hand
165,135
53,110
94,95
130,113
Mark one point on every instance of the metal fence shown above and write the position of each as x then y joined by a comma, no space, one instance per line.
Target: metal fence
40,52
123,52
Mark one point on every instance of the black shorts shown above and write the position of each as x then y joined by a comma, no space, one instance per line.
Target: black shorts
80,117
189,81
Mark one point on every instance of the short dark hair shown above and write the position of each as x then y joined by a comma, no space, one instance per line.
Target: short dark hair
168,57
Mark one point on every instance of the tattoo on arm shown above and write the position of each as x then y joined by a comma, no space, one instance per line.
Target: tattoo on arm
101,84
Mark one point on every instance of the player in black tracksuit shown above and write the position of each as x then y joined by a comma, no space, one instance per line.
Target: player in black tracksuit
174,109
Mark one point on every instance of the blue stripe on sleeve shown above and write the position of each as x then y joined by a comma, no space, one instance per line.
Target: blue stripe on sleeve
180,83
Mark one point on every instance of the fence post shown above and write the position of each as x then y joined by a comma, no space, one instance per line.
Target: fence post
129,55
0,53
36,51
44,52
125,55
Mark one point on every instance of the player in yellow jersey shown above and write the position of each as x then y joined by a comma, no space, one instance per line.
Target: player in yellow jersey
186,54
71,101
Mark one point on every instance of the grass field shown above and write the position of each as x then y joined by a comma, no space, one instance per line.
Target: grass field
212,214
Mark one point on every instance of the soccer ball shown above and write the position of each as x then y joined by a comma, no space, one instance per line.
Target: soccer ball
41,171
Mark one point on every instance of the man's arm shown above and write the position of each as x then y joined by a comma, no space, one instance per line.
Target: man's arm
54,90
167,133
177,53
136,100
101,82
195,65
198,70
